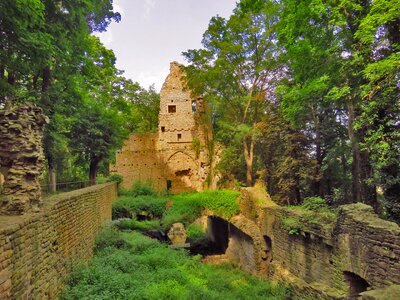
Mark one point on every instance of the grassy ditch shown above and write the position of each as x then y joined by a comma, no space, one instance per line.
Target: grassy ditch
129,265
166,210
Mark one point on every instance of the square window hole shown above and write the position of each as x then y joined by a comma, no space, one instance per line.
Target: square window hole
171,109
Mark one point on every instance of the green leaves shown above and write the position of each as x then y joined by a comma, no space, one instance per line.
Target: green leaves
382,12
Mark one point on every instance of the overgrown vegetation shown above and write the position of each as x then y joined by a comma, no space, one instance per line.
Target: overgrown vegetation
50,56
308,91
313,210
116,178
133,224
130,206
132,266
196,145
195,233
184,208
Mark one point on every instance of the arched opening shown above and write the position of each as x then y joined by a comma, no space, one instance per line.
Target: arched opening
182,172
218,232
356,283
267,256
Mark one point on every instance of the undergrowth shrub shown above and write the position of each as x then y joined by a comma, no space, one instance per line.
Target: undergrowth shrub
129,206
183,208
195,233
150,270
116,178
312,210
132,224
109,237
142,189
187,207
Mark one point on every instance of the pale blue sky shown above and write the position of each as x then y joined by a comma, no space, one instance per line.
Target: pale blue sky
153,33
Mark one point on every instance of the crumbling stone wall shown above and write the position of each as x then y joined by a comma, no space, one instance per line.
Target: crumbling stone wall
320,259
38,250
178,155
21,158
323,260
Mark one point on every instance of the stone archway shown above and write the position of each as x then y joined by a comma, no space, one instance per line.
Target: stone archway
356,284
182,172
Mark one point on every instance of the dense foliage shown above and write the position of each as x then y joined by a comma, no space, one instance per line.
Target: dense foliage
184,208
305,96
48,55
132,266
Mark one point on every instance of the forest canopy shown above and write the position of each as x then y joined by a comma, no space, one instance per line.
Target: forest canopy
49,56
306,97
304,94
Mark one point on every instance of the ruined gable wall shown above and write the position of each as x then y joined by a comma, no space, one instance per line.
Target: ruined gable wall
140,160
178,153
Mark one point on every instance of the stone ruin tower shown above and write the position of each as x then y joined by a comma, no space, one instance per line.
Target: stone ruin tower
177,157
21,158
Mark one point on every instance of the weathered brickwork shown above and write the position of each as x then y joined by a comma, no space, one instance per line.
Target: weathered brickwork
38,250
322,257
323,260
177,157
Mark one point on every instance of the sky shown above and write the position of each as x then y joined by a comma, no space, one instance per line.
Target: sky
153,33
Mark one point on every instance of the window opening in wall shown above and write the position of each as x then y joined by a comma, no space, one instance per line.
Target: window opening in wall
179,136
194,106
169,185
171,109
162,128
356,283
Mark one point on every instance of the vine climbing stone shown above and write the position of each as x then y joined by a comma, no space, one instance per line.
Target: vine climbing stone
21,158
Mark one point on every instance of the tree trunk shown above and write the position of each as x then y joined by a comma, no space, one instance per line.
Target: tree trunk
94,167
249,156
355,166
52,179
8,101
369,194
46,76
361,168
318,187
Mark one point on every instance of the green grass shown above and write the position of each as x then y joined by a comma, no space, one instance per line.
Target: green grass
144,269
195,233
130,206
312,210
185,207
132,224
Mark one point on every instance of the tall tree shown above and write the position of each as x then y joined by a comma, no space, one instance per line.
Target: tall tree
236,71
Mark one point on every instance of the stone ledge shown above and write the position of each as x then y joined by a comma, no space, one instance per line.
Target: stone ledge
387,293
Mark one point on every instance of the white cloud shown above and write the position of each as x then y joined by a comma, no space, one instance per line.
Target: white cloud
118,8
148,7
105,37
148,78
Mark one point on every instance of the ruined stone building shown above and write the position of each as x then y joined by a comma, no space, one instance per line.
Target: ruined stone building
177,156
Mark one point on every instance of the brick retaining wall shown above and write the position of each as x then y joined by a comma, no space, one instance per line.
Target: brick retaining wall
38,250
